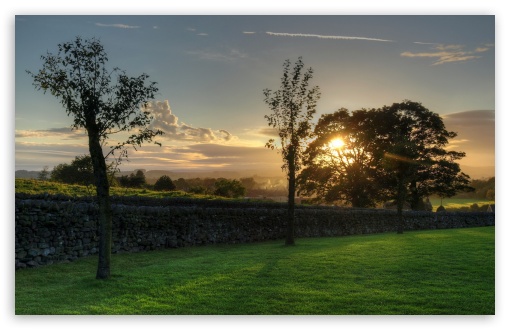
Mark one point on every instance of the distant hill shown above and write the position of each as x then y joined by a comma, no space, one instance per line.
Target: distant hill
24,174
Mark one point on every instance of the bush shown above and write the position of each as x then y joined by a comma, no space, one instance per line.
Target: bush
164,183
229,188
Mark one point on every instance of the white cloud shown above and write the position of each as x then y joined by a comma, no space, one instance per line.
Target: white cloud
169,123
119,26
324,36
448,53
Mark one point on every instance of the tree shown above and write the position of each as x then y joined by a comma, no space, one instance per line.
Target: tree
164,183
394,152
411,140
292,108
44,174
229,188
134,180
80,171
77,75
340,164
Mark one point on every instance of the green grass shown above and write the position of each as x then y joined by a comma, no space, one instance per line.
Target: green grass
32,186
422,272
458,203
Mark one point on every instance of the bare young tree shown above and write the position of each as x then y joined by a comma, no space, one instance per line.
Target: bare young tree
78,76
292,108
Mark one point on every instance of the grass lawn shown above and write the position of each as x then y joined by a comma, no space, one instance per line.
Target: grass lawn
422,272
457,203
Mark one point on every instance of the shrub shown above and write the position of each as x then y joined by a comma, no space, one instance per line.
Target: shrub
164,183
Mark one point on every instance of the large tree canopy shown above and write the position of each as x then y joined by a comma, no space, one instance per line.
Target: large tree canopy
394,152
340,161
103,101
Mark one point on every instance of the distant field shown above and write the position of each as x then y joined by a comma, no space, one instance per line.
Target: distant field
457,203
32,186
432,272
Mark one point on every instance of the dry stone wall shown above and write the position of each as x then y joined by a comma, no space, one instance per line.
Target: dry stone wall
55,229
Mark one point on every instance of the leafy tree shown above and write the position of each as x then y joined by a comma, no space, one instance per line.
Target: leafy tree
78,76
412,140
394,152
292,108
181,184
80,171
134,180
44,174
164,183
229,188
340,164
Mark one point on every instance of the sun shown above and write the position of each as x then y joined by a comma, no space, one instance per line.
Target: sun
336,143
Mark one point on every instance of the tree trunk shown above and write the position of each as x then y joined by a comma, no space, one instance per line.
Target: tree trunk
416,200
401,197
291,204
103,200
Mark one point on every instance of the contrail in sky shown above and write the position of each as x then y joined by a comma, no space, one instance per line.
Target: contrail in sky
324,37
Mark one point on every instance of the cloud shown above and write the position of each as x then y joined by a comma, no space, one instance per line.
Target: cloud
169,123
234,157
324,36
266,131
119,26
36,155
448,53
63,133
248,32
202,34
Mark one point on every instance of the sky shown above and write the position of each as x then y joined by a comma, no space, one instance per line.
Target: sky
211,71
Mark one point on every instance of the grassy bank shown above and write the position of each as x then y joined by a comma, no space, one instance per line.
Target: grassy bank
423,272
35,187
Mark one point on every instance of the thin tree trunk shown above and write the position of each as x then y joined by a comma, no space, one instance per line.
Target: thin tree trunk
291,204
401,193
103,200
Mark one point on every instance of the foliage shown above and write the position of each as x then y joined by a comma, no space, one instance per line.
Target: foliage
80,171
394,152
423,272
164,183
44,174
229,188
415,159
346,171
292,108
134,180
36,187
79,78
